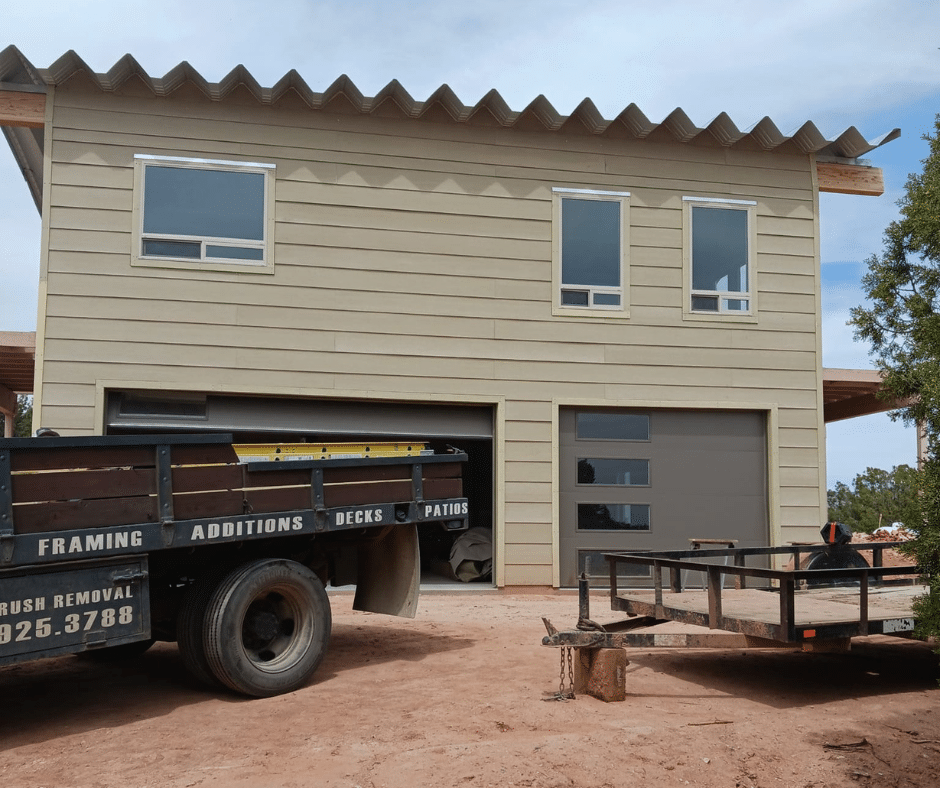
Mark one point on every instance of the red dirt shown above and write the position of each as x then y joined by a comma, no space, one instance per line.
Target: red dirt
458,698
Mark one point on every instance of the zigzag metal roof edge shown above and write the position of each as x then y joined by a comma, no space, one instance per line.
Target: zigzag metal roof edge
444,106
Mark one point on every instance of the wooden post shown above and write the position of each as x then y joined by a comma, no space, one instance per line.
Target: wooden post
601,673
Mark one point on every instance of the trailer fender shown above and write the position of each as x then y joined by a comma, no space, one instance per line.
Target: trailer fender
390,573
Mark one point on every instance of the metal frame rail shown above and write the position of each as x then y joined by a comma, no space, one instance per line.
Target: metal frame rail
784,582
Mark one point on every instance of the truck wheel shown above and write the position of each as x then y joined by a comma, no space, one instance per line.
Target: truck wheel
190,625
267,627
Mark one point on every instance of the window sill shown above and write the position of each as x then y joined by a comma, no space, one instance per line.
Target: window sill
244,267
718,317
590,313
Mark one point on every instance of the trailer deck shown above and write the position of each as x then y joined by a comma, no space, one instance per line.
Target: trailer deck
769,606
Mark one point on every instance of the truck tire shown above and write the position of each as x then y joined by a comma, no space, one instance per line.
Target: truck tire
267,627
190,627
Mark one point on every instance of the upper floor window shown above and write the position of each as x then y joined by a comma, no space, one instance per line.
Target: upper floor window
720,256
590,251
203,212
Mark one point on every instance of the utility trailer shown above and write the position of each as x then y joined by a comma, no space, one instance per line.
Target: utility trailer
848,596
110,543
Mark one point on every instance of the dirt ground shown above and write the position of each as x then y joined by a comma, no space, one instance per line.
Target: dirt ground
457,697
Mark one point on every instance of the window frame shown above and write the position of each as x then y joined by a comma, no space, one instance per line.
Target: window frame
622,198
265,265
749,208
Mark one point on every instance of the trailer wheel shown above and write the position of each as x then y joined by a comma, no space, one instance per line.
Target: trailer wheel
267,627
835,557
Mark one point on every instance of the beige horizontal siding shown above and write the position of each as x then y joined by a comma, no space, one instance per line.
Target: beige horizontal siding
528,574
415,259
530,492
799,477
527,553
523,471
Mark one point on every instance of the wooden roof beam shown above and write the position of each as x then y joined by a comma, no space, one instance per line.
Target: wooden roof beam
22,107
850,179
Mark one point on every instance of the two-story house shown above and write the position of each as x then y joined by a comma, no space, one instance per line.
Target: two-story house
618,320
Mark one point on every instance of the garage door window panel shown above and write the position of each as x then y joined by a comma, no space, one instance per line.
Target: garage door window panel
613,426
613,517
613,472
593,564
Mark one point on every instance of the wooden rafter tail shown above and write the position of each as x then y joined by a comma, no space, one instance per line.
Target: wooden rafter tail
22,108
850,179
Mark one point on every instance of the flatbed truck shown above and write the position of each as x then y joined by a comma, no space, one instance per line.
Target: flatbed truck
110,543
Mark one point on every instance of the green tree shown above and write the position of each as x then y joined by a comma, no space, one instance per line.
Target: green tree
23,420
876,499
23,423
902,323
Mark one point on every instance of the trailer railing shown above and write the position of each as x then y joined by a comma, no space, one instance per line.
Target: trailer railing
720,565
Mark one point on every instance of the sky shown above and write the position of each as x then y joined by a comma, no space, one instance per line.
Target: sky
838,63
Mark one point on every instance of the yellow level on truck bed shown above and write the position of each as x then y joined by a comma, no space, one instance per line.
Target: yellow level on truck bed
275,452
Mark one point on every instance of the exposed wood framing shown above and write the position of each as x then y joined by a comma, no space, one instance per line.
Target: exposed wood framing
20,108
8,409
850,179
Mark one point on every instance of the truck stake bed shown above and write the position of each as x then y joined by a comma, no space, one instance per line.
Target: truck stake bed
113,541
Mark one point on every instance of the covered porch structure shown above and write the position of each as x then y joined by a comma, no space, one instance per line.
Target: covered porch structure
17,362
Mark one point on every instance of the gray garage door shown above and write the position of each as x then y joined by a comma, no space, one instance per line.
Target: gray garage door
653,480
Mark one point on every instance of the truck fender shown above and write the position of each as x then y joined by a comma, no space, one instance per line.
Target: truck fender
390,573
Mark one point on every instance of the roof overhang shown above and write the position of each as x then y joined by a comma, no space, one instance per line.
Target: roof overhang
17,361
839,168
848,393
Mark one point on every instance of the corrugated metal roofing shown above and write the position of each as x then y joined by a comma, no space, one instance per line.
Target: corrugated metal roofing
444,106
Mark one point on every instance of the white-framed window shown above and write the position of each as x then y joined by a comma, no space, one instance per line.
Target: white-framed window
203,213
590,250
719,254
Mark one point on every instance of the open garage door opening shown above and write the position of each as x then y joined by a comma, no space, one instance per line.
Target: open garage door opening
446,558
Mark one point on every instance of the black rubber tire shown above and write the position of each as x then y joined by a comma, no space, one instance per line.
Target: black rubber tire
117,653
836,557
190,627
267,627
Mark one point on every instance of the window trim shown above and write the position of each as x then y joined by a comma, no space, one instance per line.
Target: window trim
749,207
591,310
263,266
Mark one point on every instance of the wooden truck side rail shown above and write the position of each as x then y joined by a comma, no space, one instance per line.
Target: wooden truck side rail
67,498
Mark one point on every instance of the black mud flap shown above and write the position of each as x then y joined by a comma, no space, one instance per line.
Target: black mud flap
389,575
